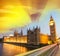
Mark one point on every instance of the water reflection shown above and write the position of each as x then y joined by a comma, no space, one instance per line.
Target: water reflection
11,50
1,47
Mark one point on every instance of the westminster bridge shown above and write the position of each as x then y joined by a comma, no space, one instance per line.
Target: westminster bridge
50,50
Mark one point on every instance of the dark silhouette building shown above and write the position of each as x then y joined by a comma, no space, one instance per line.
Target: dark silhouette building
21,33
15,33
52,30
33,36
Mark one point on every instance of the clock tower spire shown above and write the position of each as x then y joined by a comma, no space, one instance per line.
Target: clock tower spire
52,29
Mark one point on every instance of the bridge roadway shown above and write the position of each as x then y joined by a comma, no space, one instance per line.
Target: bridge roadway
44,51
40,51
58,53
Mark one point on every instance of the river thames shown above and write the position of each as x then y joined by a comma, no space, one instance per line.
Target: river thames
11,50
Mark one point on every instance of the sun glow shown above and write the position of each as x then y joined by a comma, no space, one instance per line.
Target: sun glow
13,16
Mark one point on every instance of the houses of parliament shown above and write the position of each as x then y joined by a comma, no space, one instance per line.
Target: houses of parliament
34,37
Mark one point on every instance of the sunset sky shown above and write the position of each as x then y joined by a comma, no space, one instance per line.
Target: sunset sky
15,14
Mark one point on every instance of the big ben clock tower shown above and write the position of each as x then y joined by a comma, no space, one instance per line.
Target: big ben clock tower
52,30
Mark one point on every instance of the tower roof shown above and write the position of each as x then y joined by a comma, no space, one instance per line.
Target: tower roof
15,31
21,33
51,18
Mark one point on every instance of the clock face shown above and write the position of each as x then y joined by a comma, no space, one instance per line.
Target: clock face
51,23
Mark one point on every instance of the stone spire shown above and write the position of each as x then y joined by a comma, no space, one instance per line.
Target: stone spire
21,33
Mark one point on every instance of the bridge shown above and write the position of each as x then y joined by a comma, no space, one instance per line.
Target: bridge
50,50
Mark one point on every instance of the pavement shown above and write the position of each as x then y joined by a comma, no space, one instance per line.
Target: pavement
58,53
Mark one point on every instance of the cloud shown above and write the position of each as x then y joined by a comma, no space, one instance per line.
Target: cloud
35,16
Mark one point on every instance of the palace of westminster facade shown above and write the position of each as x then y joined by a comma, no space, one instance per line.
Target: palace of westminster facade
34,36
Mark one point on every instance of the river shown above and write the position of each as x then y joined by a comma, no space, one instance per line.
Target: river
11,49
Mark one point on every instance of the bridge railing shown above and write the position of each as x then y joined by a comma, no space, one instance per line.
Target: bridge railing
49,50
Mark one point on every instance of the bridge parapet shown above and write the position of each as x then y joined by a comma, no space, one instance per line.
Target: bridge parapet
49,50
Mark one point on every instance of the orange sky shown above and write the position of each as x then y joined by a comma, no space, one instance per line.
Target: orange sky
16,13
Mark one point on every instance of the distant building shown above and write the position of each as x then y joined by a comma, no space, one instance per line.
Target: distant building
21,34
16,34
33,36
52,30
